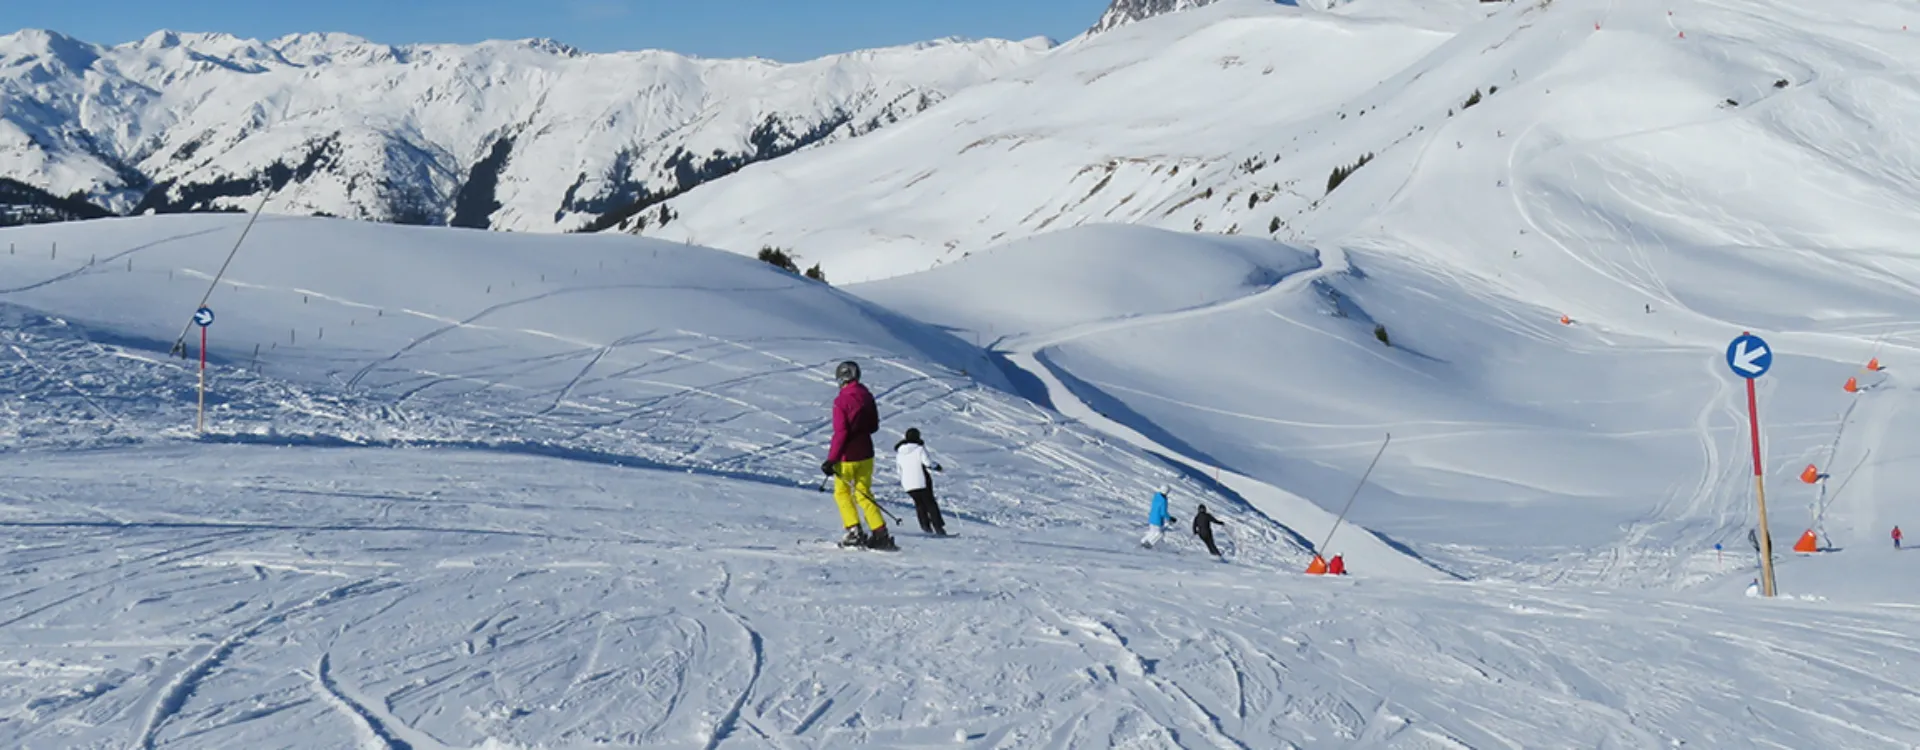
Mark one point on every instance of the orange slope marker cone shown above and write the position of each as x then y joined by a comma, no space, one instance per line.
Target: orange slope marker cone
1566,321
1811,475
1873,365
1808,543
1853,385
1318,567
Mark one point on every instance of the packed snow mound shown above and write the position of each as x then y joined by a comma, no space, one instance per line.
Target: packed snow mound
1086,275
523,135
599,349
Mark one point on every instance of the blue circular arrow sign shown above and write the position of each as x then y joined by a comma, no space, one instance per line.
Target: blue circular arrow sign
203,316
1749,356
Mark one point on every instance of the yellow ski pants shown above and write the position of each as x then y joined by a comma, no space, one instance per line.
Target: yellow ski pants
853,484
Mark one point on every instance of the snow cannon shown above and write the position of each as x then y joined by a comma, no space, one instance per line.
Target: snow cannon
1808,543
1811,475
1852,386
1318,567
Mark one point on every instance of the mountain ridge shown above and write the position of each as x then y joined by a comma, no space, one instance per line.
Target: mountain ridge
335,124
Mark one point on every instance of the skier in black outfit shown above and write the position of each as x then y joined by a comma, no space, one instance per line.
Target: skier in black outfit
916,477
1203,523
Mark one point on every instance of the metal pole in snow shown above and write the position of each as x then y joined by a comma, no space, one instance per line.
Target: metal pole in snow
180,344
1356,494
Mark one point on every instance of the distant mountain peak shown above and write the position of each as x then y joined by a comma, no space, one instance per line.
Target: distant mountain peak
552,47
1124,12
527,134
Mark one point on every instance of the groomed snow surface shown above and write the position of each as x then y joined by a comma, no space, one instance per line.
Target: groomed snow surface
561,492
467,490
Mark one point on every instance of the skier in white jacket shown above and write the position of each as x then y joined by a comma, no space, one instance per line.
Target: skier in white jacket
916,477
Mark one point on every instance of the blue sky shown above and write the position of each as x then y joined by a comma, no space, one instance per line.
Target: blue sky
778,29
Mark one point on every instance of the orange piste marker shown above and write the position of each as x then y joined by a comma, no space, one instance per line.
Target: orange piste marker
1811,475
1566,321
1318,567
1808,543
1853,385
1874,364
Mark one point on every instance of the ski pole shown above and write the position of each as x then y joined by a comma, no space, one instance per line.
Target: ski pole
870,498
883,509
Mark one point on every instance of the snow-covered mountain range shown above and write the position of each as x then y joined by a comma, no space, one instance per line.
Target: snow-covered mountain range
521,135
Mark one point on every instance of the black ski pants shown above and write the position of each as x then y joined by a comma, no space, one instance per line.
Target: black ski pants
928,510
1206,535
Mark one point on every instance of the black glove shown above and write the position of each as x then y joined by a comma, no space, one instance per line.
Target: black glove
827,467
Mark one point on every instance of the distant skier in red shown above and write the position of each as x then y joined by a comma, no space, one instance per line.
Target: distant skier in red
1896,537
1337,566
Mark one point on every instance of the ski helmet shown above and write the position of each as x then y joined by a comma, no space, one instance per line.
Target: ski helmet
847,372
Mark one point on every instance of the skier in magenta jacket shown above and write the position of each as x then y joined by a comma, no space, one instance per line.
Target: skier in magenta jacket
850,460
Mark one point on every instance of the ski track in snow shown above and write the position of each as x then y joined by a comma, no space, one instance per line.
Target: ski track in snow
174,695
1294,514
815,648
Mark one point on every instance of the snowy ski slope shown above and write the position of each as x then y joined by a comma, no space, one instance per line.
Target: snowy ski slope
480,490
488,511
601,349
1665,174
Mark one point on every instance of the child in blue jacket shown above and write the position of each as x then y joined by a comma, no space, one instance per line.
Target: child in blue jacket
1158,518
